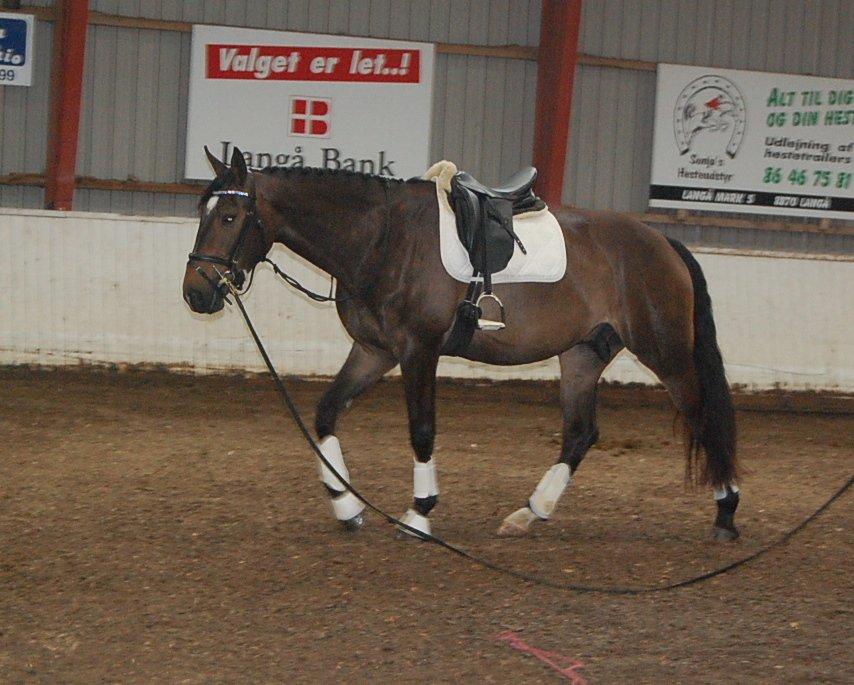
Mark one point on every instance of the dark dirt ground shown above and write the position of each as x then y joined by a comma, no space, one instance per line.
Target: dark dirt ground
169,528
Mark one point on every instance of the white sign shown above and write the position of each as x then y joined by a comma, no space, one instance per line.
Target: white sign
756,142
301,99
16,49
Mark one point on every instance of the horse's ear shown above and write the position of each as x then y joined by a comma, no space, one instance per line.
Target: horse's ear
238,165
219,167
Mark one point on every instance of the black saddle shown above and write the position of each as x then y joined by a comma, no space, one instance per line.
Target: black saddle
517,189
485,216
484,219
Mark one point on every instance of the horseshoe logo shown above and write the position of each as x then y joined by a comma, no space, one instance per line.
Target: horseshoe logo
709,103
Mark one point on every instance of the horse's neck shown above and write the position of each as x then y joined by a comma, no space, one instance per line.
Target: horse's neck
333,222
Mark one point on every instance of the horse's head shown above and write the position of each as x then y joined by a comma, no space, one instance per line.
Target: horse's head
231,239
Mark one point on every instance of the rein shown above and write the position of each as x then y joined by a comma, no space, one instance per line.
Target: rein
520,575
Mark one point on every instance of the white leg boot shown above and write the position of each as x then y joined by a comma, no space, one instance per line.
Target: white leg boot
425,488
345,506
541,504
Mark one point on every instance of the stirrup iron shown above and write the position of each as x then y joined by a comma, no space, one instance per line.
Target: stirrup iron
488,324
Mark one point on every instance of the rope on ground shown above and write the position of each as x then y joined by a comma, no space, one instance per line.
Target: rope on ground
528,577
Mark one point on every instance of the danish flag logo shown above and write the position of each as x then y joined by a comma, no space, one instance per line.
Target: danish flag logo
310,117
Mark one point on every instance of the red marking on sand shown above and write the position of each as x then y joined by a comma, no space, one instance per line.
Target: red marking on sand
714,103
551,659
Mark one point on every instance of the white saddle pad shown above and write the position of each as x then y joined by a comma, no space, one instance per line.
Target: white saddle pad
539,232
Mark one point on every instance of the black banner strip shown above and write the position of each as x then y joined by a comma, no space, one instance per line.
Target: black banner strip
748,198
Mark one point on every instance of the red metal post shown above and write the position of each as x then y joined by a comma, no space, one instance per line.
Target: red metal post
66,85
559,28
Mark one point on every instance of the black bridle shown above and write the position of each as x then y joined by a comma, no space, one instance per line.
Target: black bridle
232,273
232,278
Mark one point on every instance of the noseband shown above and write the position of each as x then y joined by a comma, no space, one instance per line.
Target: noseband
230,263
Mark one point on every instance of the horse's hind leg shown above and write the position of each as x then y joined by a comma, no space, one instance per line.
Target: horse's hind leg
580,369
364,367
684,389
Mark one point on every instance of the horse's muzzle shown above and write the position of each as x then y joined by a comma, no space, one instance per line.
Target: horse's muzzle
202,292
204,302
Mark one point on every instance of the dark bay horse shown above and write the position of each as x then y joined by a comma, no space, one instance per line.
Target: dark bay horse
626,285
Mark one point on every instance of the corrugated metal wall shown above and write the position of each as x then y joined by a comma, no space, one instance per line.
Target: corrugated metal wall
135,92
797,36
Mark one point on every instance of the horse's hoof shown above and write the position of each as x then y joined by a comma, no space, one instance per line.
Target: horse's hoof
511,530
353,524
724,534
400,534
516,525
418,526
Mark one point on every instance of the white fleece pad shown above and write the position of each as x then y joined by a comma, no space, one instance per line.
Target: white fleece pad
539,232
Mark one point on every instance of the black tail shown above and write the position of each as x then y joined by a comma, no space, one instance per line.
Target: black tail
714,429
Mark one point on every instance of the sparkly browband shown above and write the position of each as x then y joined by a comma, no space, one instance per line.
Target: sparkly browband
242,193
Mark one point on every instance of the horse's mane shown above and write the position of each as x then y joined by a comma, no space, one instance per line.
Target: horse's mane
320,172
283,171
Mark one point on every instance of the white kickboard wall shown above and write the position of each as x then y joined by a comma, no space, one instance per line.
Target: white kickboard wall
102,288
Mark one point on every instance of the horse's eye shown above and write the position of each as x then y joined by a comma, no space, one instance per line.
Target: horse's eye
228,219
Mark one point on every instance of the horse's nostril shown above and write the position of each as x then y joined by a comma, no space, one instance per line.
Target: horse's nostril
195,299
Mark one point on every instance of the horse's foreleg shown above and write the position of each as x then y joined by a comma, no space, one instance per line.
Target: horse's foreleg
364,367
580,368
419,380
